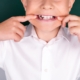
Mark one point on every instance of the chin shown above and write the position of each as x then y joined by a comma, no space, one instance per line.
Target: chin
46,26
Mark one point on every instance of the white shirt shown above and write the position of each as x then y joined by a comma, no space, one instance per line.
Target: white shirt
34,59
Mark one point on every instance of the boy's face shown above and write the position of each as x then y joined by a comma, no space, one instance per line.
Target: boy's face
47,12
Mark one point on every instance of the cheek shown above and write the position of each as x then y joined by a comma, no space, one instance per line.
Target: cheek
63,8
64,11
31,8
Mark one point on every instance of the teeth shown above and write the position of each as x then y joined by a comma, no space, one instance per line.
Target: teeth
46,17
40,17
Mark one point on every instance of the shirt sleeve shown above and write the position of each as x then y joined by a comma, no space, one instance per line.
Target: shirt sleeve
2,53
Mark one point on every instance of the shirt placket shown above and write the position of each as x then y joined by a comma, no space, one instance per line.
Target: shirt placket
45,64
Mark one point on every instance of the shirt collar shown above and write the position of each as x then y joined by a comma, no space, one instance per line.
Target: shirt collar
63,32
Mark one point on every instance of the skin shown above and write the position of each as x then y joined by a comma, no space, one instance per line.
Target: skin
60,8
12,29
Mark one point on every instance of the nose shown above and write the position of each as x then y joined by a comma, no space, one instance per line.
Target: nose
47,5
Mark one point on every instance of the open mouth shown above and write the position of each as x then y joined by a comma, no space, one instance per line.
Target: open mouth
42,17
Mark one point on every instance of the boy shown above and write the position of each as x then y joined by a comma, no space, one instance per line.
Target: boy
44,50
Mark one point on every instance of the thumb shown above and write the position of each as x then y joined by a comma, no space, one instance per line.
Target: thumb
24,18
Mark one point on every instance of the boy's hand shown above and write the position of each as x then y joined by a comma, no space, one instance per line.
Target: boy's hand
73,24
12,29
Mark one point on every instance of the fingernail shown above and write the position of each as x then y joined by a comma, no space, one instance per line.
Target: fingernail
34,16
59,18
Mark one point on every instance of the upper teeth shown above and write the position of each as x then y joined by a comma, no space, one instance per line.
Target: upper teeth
46,17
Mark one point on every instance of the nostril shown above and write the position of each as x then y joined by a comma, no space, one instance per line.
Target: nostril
47,8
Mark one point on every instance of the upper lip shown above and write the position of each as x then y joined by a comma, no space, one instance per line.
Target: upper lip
45,15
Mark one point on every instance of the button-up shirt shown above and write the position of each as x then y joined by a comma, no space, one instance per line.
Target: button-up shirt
34,59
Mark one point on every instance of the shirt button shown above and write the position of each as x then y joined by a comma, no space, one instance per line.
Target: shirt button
45,70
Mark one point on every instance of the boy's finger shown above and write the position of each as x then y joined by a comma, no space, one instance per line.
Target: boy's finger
73,23
74,30
19,32
22,27
16,37
61,18
25,18
69,18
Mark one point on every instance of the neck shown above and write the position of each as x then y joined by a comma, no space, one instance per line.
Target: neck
47,36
